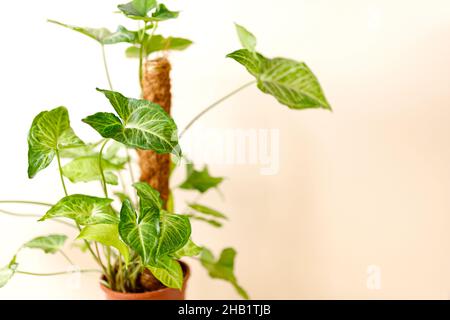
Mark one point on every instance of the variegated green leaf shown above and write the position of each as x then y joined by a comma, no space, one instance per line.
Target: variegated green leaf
49,133
169,272
142,124
175,231
292,83
106,234
103,35
139,232
149,199
84,210
50,244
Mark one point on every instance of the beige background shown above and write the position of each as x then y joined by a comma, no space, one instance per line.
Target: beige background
365,185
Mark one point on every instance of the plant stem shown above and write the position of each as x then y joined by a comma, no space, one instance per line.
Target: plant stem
66,257
32,215
61,172
100,166
141,55
210,107
56,273
130,168
28,202
105,64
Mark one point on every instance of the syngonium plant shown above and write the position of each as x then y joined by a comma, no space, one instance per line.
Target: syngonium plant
128,232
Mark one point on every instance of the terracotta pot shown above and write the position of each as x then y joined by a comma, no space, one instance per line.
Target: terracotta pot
161,294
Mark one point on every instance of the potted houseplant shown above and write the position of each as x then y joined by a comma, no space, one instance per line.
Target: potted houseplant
135,235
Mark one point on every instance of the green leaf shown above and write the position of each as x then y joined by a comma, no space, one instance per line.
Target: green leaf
7,272
139,232
175,231
223,268
137,9
85,169
85,210
50,244
159,43
206,210
103,35
149,199
247,39
98,34
162,13
49,133
211,222
292,83
106,234
190,249
169,272
142,124
199,180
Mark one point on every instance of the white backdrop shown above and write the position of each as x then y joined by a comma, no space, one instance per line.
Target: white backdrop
361,196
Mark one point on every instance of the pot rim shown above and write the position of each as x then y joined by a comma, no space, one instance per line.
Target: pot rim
187,274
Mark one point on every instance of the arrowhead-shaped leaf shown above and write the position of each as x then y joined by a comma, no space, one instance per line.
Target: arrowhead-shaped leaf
292,83
139,232
223,268
50,244
107,234
49,133
159,43
142,124
84,210
169,272
199,180
247,39
175,231
103,35
206,210
85,169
